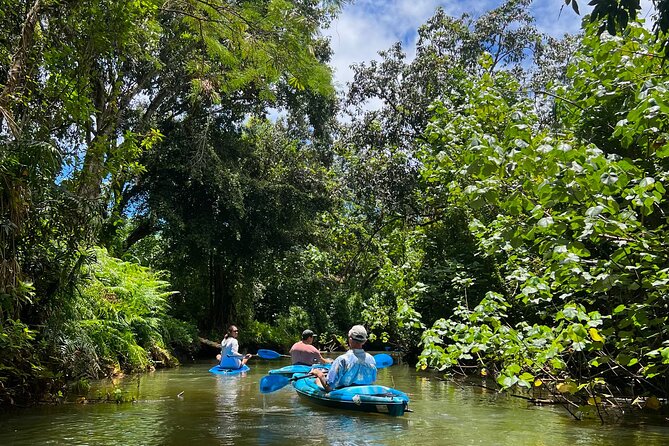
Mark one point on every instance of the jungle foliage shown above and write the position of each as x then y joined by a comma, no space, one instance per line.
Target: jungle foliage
94,96
500,212
574,218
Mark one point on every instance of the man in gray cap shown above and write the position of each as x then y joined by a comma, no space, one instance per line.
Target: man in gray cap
355,367
303,352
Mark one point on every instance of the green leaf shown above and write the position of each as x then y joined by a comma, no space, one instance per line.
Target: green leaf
663,151
619,309
594,211
647,181
507,381
609,178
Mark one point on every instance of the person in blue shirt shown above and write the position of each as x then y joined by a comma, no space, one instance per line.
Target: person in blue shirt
355,367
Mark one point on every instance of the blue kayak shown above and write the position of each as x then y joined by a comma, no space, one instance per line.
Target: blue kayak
218,370
290,370
371,398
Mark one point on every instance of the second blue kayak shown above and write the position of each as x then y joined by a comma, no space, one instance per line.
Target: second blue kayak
290,370
218,370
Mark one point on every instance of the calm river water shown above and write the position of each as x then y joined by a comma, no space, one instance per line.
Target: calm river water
223,410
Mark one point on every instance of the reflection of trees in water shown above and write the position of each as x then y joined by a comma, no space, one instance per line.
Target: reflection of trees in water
229,410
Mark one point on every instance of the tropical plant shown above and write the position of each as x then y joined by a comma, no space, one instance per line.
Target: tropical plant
83,91
116,321
573,229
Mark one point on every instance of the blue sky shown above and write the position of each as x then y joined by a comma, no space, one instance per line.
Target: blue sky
367,26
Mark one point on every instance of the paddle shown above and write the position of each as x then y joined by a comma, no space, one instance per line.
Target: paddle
272,383
270,354
383,360
263,353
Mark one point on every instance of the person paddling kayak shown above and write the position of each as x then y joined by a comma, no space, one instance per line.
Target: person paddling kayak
230,358
304,353
355,367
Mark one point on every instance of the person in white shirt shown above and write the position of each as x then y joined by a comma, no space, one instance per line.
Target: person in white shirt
230,357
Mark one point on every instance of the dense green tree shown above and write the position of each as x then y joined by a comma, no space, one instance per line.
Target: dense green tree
613,16
573,231
84,88
446,48
101,87
396,224
227,204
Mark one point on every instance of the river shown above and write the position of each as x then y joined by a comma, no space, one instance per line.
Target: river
220,410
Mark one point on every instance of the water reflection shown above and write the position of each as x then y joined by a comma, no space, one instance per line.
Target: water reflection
228,390
307,423
230,410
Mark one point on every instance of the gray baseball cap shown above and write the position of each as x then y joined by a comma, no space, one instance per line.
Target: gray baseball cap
358,333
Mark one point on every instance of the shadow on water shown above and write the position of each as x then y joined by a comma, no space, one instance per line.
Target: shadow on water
189,406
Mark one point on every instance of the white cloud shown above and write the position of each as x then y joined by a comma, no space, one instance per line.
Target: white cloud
368,26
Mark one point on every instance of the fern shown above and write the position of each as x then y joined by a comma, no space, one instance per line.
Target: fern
117,321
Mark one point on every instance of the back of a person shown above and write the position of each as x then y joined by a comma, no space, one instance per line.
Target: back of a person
302,353
355,367
229,348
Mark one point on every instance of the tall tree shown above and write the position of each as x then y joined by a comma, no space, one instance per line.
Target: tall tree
386,201
90,79
87,89
228,204
575,230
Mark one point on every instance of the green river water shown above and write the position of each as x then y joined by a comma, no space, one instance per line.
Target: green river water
220,410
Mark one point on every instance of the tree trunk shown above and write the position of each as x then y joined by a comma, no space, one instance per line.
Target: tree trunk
145,228
222,302
17,67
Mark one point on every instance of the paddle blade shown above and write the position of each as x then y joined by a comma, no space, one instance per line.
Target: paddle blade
268,354
383,360
271,383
